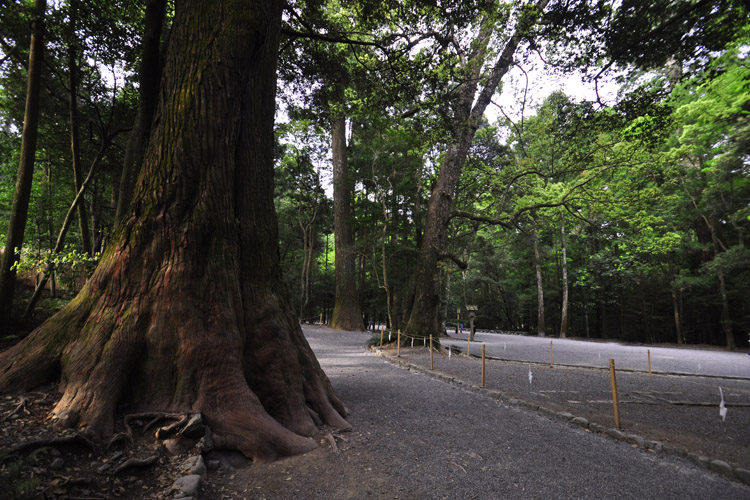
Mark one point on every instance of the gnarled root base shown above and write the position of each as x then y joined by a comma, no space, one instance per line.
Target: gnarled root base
267,400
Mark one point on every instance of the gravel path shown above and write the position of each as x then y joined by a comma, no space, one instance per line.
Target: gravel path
596,353
416,437
681,412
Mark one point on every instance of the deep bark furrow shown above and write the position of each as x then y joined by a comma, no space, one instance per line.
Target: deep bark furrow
186,311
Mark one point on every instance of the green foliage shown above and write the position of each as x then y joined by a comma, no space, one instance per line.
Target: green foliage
72,267
649,196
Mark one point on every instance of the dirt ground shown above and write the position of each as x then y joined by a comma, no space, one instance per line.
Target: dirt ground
38,461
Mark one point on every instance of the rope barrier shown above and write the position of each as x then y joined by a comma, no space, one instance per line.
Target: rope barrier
687,378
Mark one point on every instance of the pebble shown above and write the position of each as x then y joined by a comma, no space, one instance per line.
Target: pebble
617,434
636,439
189,485
720,467
195,466
743,475
580,421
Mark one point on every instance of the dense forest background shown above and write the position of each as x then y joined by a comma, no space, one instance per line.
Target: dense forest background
620,217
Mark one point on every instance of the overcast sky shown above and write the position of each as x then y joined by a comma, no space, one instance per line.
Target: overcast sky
540,83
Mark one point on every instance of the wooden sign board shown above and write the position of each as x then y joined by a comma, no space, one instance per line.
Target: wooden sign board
472,308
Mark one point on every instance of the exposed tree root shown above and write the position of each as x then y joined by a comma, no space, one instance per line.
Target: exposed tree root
136,462
120,437
332,441
21,406
156,417
56,441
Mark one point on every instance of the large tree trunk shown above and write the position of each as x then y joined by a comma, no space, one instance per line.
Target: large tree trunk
347,311
468,108
186,311
21,197
148,94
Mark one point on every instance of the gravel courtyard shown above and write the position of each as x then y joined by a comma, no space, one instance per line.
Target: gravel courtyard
417,436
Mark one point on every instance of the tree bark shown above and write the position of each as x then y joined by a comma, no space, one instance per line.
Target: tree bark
726,320
186,310
75,148
306,223
675,302
21,197
564,308
540,326
347,311
148,93
467,113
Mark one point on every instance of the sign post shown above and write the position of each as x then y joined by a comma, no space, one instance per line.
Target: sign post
472,310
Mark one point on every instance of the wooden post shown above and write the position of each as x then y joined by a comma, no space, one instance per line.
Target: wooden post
398,343
551,357
382,329
614,392
482,365
432,365
458,323
649,362
321,318
468,346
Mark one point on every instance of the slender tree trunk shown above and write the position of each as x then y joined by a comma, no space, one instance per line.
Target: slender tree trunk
347,311
564,308
586,318
384,264
307,228
418,205
604,315
384,250
726,320
468,109
75,149
148,90
60,243
676,311
21,197
540,326
96,217
186,311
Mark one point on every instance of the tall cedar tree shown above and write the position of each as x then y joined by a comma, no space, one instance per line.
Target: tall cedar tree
347,311
22,195
186,310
